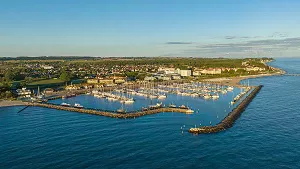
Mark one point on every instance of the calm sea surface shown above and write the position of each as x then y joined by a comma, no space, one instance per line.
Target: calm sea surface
266,136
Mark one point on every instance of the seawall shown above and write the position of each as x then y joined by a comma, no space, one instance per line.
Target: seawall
111,114
229,120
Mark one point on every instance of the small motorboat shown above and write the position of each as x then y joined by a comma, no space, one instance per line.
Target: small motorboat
77,105
121,111
183,107
189,111
65,104
172,106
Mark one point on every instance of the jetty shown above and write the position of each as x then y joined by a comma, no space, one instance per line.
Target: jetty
292,74
112,114
229,120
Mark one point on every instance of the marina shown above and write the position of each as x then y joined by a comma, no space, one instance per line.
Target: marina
209,102
149,84
194,96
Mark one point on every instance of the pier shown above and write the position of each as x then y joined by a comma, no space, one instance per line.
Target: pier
112,114
292,74
228,121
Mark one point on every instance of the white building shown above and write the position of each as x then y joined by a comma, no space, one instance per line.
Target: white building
23,92
166,70
185,73
47,67
212,71
254,69
175,77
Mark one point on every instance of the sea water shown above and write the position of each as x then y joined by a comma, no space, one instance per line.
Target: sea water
265,136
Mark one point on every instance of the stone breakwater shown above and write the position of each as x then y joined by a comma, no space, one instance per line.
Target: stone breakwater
228,121
111,114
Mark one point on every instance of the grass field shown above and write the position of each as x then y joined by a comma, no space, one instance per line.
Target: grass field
46,82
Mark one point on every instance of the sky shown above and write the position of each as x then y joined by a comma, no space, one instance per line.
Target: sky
185,28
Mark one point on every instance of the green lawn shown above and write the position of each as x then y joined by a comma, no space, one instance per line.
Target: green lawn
47,81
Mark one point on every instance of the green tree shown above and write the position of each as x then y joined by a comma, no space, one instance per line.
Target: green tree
65,76
9,76
132,75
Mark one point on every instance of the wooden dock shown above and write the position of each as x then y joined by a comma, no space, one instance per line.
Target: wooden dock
228,121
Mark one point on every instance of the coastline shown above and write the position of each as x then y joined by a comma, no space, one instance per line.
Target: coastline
10,103
235,81
228,81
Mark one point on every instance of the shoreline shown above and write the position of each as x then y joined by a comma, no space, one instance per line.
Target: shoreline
228,81
235,81
10,103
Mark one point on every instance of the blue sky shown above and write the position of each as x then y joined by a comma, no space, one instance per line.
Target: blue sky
200,28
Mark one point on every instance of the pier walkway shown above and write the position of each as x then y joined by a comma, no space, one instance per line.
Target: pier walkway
228,121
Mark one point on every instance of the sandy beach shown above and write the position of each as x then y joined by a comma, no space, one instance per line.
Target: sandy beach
8,103
235,81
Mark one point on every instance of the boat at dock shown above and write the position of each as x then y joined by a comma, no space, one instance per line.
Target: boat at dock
230,88
77,105
129,101
172,106
183,107
68,96
161,97
215,96
189,111
65,104
121,110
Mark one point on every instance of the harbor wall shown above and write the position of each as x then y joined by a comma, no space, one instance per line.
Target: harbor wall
111,114
229,120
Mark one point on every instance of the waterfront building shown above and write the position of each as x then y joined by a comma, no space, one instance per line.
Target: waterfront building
48,90
72,87
185,73
93,81
23,92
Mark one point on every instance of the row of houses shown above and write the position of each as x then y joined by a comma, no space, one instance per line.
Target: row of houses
208,71
107,81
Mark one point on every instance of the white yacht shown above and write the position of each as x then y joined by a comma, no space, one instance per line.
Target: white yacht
161,97
129,101
230,88
215,96
206,96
